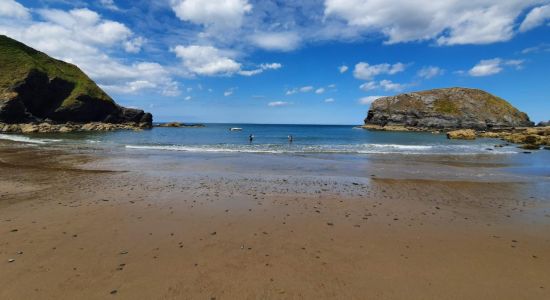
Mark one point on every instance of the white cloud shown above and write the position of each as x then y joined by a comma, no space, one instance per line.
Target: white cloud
319,90
220,14
188,98
536,17
261,69
206,60
430,72
118,78
109,4
368,86
291,91
493,66
365,71
449,22
388,85
278,103
544,47
306,89
12,9
369,99
277,41
211,61
229,92
329,100
134,45
343,69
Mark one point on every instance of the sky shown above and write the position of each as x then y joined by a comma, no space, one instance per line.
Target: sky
291,62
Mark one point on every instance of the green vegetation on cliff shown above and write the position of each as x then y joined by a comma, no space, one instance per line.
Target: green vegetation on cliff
35,87
17,61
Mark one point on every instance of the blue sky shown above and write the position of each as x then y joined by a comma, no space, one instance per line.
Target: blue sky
303,61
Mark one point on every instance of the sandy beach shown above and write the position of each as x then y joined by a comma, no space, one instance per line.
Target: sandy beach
78,226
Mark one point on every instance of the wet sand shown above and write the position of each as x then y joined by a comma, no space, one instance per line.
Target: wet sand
80,226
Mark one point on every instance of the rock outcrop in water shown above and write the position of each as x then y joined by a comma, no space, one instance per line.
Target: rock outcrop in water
446,109
35,88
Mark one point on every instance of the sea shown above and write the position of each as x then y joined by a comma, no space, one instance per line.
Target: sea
274,139
317,150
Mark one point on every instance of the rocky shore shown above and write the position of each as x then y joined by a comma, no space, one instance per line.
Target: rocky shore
69,127
531,138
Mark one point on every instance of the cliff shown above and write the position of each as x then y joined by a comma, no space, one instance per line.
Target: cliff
35,88
445,109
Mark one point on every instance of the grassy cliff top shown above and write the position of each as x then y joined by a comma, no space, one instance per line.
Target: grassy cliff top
17,60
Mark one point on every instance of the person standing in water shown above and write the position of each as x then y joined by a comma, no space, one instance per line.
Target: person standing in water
251,138
290,138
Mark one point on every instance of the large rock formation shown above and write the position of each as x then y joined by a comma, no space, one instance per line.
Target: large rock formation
450,108
35,87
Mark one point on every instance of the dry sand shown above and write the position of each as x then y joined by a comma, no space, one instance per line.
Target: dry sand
75,233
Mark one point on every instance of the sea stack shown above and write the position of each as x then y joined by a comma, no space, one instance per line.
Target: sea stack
446,109
35,87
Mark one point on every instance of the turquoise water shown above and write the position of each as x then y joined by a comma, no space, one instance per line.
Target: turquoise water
274,139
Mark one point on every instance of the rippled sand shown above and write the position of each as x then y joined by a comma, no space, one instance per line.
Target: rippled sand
142,226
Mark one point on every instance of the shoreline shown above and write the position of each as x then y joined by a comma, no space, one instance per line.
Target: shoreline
90,226
530,138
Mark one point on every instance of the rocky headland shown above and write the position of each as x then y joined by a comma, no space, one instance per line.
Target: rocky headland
41,94
446,109
460,112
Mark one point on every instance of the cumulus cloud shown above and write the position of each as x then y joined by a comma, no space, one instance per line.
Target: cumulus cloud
211,61
448,22
277,41
206,60
430,72
319,90
329,100
365,71
343,69
493,66
12,9
220,14
536,17
127,79
278,103
368,100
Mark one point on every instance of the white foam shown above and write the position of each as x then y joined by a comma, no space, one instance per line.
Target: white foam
25,139
404,147
330,149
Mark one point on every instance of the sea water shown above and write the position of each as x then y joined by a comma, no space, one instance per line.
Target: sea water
274,139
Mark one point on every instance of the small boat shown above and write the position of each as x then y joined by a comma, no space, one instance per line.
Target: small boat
235,129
